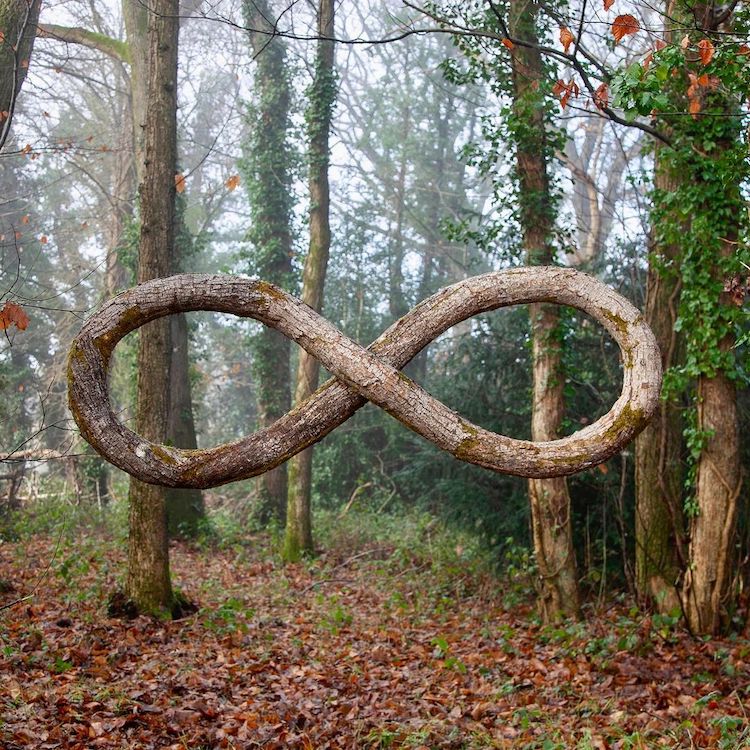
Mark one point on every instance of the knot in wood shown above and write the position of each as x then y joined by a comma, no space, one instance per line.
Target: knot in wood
361,375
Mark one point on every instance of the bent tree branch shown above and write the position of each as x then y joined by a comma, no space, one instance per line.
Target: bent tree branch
360,375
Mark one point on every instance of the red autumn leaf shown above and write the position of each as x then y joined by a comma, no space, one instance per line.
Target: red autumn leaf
685,43
601,96
647,61
608,4
13,314
706,50
233,182
43,239
507,43
179,182
566,38
25,219
624,25
694,106
743,49
660,44
2,37
26,149
565,91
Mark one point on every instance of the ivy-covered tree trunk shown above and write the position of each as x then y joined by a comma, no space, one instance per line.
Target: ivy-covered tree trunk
711,158
659,465
298,537
18,22
549,498
267,173
148,583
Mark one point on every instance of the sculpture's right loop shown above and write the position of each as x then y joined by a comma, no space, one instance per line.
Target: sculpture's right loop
372,374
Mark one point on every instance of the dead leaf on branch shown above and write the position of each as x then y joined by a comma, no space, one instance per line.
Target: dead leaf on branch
624,25
566,38
706,51
601,96
565,91
13,314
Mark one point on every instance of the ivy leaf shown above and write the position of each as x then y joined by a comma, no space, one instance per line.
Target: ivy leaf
706,50
623,26
233,182
13,314
601,96
179,182
566,38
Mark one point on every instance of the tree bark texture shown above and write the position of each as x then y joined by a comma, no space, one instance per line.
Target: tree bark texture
707,588
708,593
298,536
659,468
148,583
361,374
267,173
185,508
18,22
549,498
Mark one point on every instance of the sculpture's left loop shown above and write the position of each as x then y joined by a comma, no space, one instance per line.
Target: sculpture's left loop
360,374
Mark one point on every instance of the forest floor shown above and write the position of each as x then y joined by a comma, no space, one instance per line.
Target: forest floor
374,647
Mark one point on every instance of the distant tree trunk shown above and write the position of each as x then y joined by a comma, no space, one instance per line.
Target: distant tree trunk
18,22
549,498
149,584
185,508
298,537
266,169
659,475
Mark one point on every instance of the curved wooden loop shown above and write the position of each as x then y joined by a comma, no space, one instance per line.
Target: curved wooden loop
360,375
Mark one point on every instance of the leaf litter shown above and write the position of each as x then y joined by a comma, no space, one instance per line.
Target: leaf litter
373,651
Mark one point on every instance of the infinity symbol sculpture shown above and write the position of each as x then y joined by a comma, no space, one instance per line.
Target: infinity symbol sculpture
360,375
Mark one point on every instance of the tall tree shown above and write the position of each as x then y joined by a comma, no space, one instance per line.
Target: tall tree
298,537
185,507
18,23
148,583
659,468
267,171
549,498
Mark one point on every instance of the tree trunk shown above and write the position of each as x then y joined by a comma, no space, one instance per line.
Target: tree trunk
18,22
185,507
266,168
659,475
298,538
149,584
549,498
707,595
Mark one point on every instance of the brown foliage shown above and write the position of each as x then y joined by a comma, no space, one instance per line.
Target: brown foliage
338,655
